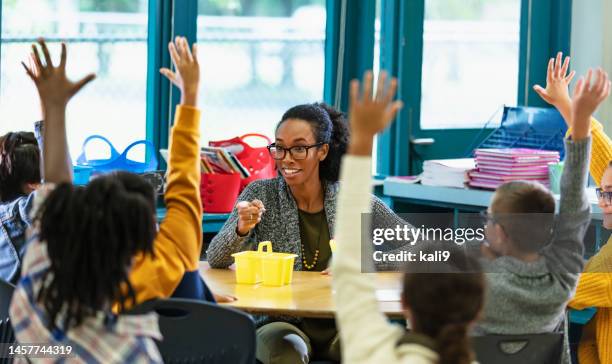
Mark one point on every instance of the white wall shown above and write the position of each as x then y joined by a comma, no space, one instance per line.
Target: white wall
592,45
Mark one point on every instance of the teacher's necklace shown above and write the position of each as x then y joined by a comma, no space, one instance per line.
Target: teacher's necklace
316,254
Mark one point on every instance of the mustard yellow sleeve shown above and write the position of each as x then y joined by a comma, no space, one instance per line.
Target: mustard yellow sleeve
594,290
179,241
601,150
601,153
182,226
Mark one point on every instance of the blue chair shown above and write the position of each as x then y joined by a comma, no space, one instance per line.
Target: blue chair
7,335
200,332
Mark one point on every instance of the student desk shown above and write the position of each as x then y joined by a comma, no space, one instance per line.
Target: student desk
309,295
211,223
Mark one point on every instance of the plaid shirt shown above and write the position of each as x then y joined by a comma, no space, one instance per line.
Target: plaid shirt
104,338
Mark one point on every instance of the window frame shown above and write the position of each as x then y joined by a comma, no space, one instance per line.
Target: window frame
545,28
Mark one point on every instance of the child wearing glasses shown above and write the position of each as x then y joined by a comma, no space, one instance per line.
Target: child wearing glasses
595,284
296,212
540,266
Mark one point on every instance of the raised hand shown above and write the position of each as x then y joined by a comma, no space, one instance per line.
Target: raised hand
590,91
249,215
54,88
556,92
187,75
370,115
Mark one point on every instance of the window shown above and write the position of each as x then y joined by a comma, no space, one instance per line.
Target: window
108,37
470,61
258,59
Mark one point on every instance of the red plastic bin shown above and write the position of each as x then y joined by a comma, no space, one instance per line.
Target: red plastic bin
219,192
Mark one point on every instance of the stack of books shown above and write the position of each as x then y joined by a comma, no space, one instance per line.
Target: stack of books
447,172
215,160
495,167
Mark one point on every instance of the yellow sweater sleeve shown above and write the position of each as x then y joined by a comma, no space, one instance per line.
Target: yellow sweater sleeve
601,154
179,241
595,284
601,150
594,290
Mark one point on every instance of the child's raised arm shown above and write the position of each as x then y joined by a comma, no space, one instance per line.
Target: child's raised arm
366,335
557,82
54,90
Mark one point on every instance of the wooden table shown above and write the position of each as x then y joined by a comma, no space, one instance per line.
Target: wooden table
309,295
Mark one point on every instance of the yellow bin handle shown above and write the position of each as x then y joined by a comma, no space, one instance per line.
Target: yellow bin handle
264,244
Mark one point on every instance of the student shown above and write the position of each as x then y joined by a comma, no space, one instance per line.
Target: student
440,305
174,271
595,284
296,212
19,178
81,247
532,280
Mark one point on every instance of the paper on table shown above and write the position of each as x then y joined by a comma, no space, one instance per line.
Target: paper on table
388,295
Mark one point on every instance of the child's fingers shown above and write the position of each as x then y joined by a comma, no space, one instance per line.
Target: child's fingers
541,92
63,56
178,47
393,110
36,57
29,72
367,86
173,54
550,70
391,91
605,92
186,50
565,66
45,50
558,65
354,92
570,77
601,81
84,81
579,87
194,52
380,86
587,81
169,74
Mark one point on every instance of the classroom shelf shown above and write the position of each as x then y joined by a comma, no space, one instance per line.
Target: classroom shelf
211,223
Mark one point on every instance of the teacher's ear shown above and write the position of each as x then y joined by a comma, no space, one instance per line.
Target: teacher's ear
322,152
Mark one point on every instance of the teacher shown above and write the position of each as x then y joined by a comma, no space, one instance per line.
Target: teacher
296,211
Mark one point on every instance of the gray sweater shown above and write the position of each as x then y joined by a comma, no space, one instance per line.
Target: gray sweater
529,298
280,223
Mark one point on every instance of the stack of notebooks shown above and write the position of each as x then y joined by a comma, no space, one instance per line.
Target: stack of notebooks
446,172
218,160
498,166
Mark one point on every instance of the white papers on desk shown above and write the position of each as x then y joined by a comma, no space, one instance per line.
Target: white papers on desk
388,295
447,172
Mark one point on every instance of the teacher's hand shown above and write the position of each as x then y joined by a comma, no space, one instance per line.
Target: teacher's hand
249,215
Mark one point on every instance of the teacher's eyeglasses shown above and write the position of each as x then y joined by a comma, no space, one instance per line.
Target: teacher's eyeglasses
297,152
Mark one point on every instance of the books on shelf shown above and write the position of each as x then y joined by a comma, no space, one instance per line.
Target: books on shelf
498,166
219,160
447,172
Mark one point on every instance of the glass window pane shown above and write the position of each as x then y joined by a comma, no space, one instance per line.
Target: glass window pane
258,59
470,61
106,37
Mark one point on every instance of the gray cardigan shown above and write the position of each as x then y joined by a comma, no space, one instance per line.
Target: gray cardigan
280,224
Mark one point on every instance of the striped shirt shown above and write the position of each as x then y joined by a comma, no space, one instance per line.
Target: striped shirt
102,338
